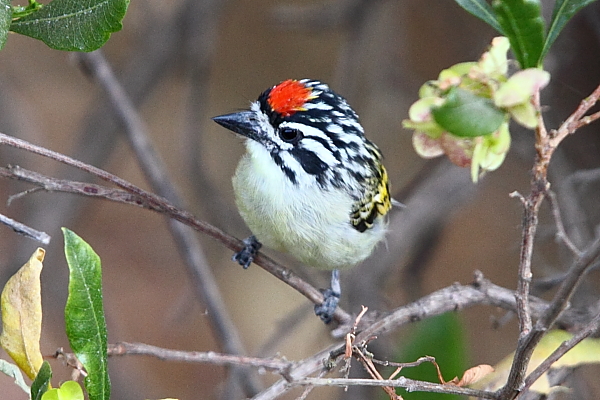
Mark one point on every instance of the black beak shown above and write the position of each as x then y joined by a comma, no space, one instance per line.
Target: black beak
243,122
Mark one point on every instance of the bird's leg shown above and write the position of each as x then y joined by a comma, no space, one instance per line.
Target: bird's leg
331,298
245,256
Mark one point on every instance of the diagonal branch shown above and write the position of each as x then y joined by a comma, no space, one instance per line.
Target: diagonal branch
134,195
590,329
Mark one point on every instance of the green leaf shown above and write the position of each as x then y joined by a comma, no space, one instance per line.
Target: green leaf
84,314
522,23
14,372
465,114
563,12
442,337
482,10
70,390
41,383
73,25
5,19
22,11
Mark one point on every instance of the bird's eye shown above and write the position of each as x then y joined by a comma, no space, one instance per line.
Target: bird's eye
290,135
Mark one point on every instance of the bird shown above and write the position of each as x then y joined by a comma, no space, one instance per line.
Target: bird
310,183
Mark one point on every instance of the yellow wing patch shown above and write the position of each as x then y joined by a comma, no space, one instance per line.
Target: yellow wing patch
375,204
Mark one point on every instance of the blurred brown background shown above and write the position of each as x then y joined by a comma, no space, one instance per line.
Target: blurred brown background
184,61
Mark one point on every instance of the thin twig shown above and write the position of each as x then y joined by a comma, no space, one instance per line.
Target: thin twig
419,361
561,233
577,119
410,385
25,230
567,288
210,357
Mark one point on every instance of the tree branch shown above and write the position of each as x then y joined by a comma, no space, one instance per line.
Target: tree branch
159,204
280,366
25,230
565,347
410,385
545,145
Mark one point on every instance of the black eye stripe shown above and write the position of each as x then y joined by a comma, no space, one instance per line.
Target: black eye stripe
323,142
311,163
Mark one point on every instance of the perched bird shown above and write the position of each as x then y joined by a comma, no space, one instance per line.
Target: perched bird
310,183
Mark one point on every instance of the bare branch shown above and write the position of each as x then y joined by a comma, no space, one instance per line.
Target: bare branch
24,230
561,233
455,298
577,119
562,297
211,357
156,203
402,382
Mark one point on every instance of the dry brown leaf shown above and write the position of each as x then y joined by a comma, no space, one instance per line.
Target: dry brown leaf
474,374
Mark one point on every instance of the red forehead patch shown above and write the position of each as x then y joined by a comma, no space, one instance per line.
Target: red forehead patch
288,97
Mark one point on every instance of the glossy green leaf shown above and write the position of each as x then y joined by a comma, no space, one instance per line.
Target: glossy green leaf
73,25
564,10
482,10
442,337
522,23
5,19
465,114
84,314
41,383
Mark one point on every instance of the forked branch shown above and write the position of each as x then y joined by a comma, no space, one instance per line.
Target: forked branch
545,144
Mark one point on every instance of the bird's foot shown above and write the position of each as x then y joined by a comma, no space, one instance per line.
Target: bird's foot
331,298
245,256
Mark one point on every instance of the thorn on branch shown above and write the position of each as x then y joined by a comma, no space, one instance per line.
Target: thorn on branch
519,196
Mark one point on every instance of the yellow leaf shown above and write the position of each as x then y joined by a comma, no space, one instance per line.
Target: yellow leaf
21,304
586,352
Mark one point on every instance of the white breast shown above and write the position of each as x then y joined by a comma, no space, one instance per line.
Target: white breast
304,220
